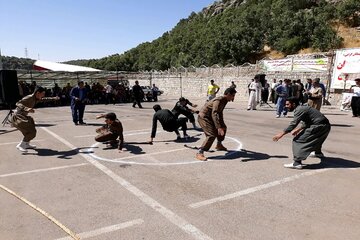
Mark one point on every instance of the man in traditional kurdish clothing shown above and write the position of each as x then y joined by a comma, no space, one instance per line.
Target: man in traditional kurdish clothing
212,122
111,131
24,123
309,137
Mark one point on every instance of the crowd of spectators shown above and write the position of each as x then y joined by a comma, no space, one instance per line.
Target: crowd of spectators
96,93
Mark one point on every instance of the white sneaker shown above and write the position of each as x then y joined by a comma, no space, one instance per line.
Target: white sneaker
21,147
316,155
291,165
277,116
29,146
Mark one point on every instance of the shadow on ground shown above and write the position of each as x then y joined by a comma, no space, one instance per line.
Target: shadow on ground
333,162
7,131
341,125
245,156
45,152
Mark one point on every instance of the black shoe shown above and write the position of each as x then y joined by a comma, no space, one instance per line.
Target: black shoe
76,123
82,123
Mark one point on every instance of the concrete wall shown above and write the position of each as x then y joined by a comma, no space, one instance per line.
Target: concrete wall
194,82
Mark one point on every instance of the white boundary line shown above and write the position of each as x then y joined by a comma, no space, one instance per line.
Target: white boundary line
255,189
146,199
107,229
121,160
127,133
43,170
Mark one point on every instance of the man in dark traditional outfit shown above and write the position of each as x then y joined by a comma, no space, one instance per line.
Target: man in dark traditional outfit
309,137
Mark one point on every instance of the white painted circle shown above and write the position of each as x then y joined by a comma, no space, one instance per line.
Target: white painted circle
124,161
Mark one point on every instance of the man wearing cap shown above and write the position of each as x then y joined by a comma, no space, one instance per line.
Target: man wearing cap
211,120
111,131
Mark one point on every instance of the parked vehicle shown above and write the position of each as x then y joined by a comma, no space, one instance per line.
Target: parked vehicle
148,93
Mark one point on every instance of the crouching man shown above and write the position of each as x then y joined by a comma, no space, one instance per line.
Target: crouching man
309,136
169,122
111,131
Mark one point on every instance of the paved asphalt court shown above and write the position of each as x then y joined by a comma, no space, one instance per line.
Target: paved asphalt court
82,190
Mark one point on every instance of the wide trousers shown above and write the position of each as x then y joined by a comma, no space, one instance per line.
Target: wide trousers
309,140
211,132
26,125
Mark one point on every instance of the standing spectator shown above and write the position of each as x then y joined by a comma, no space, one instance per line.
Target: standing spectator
273,94
138,94
24,123
315,95
78,98
211,120
308,86
301,91
323,88
265,92
182,108
355,100
155,92
282,92
309,137
254,93
108,93
168,121
213,89
233,85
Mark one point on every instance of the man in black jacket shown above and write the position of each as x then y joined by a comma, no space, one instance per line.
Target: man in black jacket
138,94
168,121
182,108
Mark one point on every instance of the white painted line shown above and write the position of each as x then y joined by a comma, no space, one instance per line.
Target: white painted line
108,229
129,133
121,160
151,154
43,170
255,189
11,143
146,199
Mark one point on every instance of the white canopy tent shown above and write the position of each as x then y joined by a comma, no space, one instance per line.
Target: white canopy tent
61,67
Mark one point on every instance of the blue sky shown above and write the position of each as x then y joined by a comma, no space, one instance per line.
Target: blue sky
62,30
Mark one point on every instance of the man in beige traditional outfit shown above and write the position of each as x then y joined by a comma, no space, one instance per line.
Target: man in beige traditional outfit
24,123
212,122
315,95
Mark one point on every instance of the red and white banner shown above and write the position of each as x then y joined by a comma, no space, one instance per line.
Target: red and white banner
347,61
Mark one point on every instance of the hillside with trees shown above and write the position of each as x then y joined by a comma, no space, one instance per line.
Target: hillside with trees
239,31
